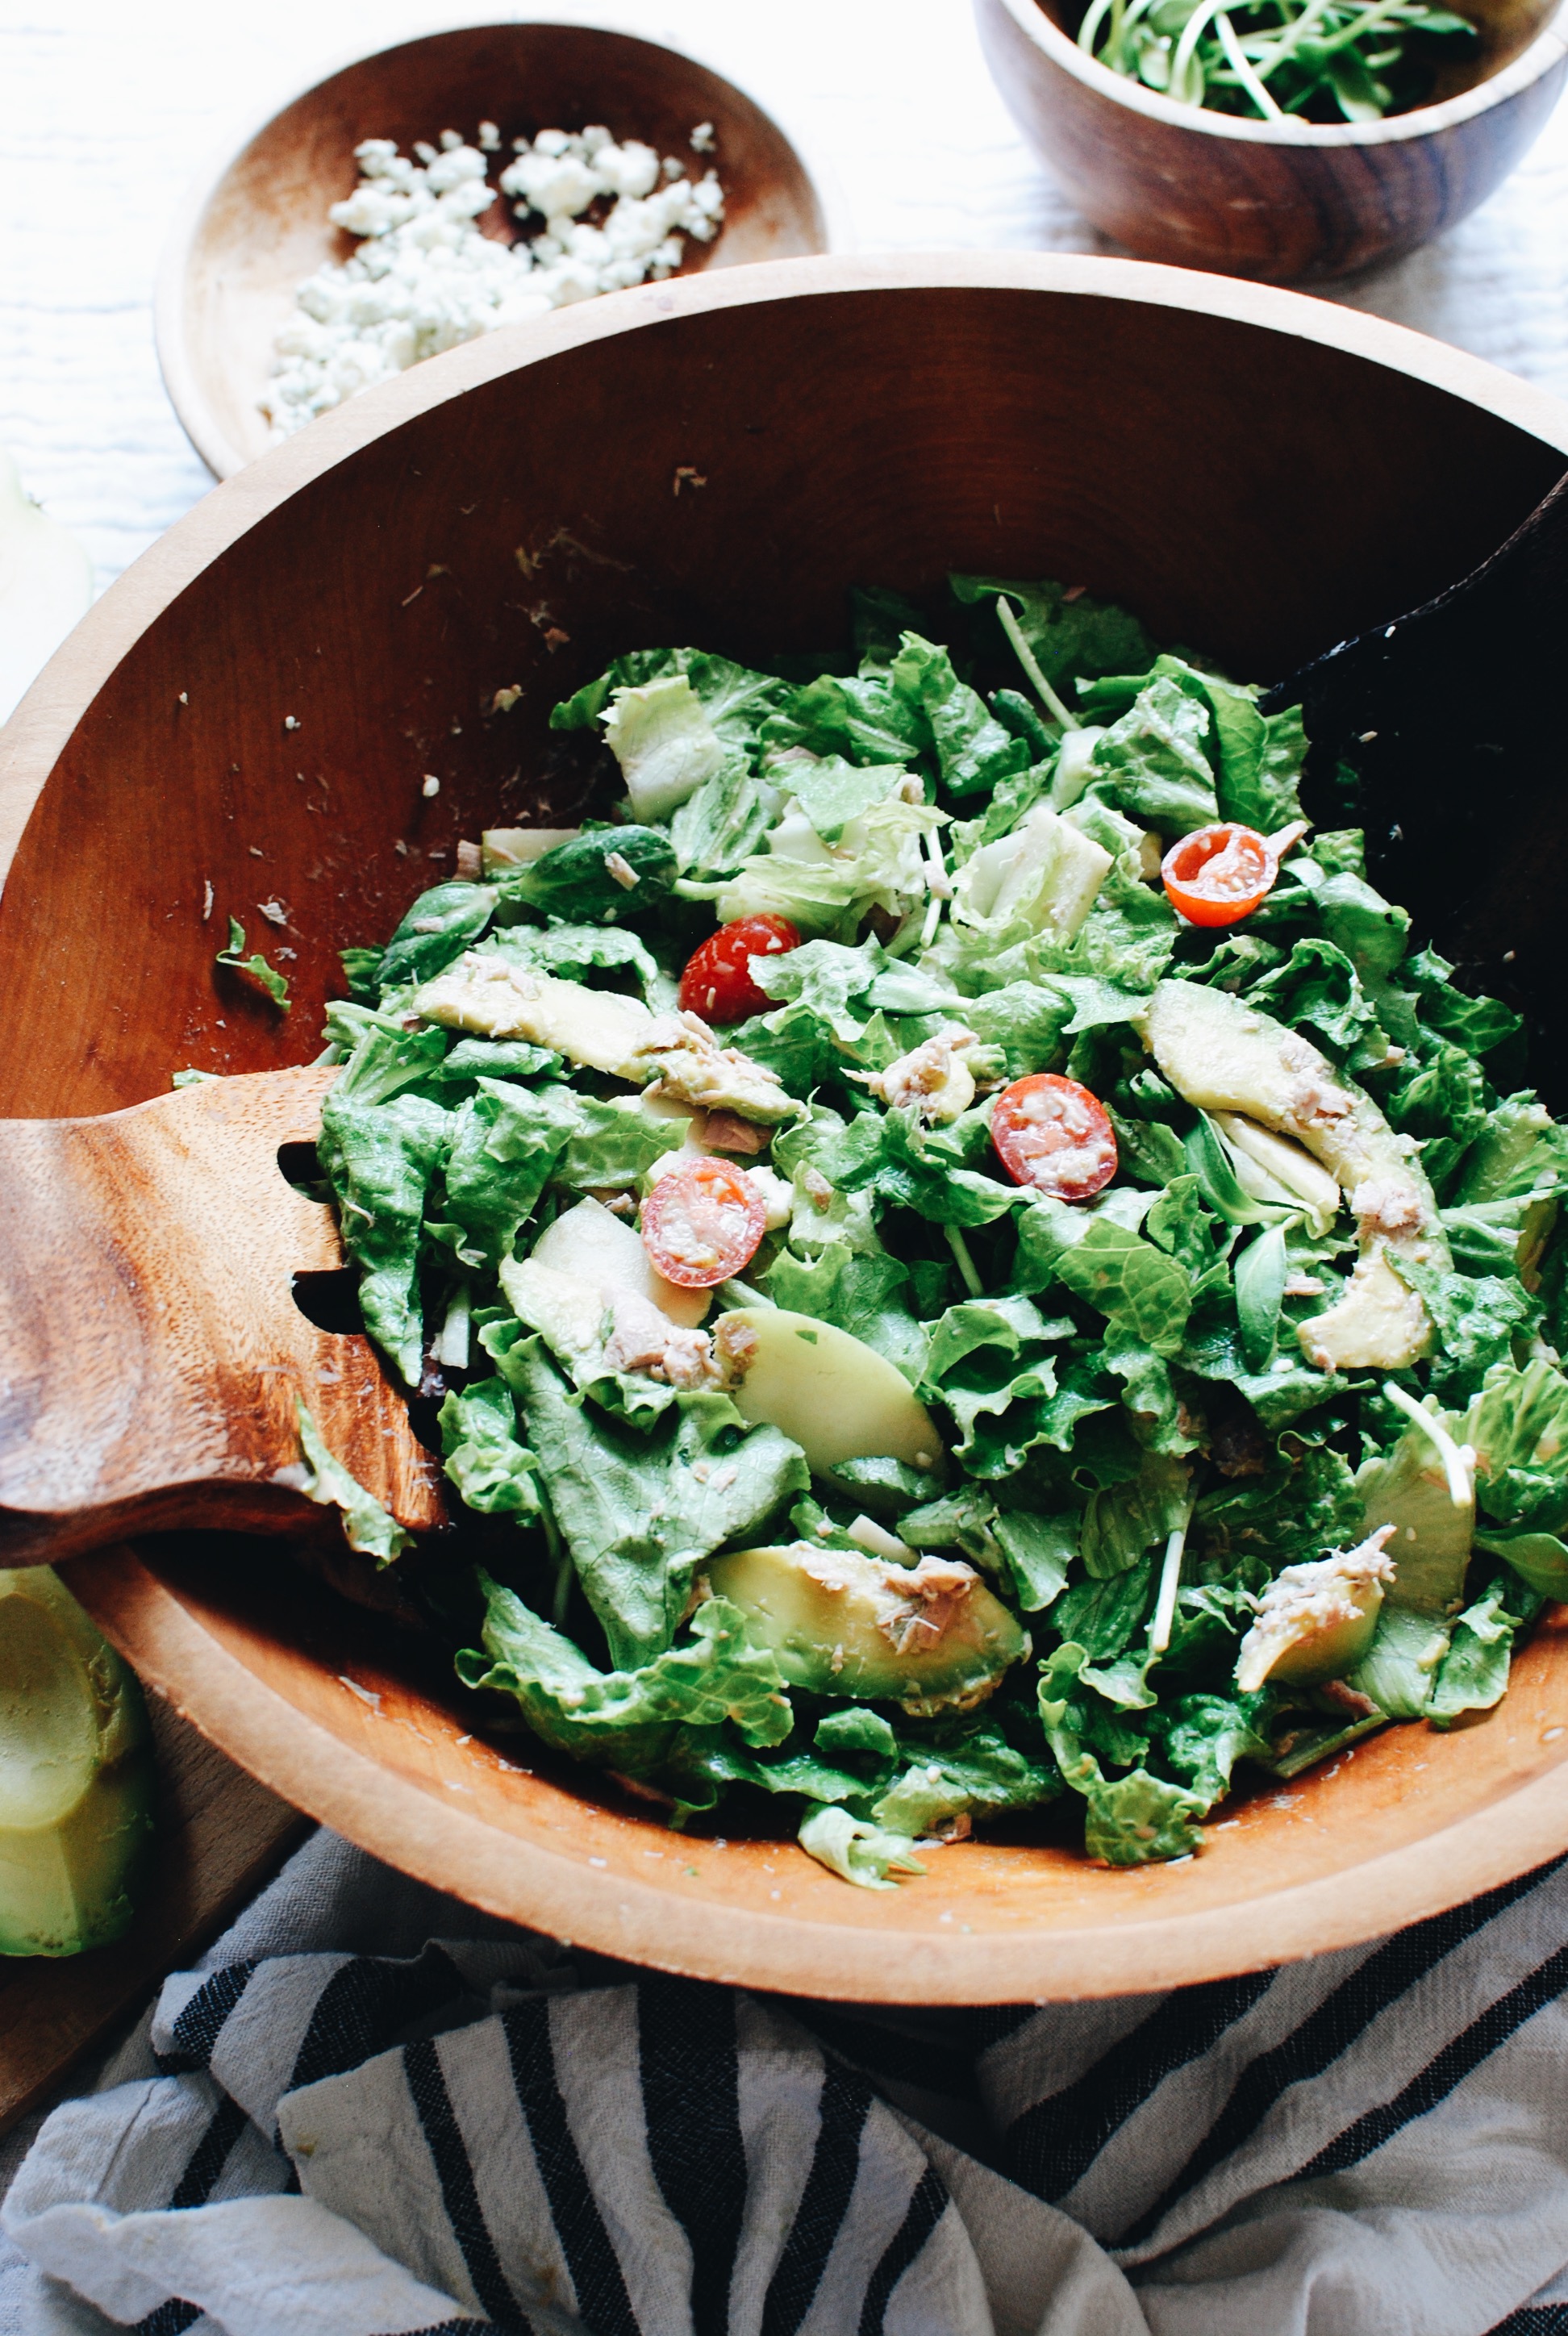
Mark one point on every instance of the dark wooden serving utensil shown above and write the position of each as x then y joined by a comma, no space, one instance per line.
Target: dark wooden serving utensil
153,1353
1441,732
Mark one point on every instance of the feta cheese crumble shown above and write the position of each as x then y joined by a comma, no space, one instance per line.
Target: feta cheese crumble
425,277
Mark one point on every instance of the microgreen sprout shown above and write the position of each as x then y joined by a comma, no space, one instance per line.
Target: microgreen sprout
1323,61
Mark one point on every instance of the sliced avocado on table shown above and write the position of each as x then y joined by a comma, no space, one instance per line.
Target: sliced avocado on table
930,1637
76,1774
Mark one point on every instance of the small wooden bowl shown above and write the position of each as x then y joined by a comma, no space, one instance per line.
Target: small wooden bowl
253,707
250,232
1291,202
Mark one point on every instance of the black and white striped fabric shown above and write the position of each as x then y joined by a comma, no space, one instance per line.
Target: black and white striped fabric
310,2139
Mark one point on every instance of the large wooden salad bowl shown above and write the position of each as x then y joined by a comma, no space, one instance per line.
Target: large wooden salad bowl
1252,471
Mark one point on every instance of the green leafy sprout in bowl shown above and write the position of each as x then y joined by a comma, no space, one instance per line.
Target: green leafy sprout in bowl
1326,61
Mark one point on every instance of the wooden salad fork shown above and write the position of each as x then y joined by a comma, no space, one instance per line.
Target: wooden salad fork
153,1360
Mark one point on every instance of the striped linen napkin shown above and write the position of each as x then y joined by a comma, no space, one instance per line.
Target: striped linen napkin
311,2138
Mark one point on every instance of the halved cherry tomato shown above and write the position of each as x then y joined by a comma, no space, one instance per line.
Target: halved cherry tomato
1219,874
717,983
1053,1135
700,1224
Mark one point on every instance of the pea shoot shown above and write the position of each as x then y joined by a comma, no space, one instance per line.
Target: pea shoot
1318,60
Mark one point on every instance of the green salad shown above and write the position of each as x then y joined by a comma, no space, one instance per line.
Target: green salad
963,1261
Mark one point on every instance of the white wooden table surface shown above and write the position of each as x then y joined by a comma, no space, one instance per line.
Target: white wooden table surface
107,109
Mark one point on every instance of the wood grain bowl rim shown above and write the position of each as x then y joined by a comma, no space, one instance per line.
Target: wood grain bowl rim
423,1833
1546,51
182,379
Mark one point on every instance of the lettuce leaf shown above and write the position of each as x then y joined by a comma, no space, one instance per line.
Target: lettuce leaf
1476,1320
862,717
858,1291
1474,1674
977,1773
1440,1095
575,881
856,1849
641,1512
827,978
973,749
379,1160
366,1525
576,952
1027,1019
1123,1521
613,1141
911,1167
1399,1669
491,1470
1101,1617
491,1058
505,1142
832,792
629,1719
1142,1293
438,928
736,701
1209,1733
1520,1150
1134,1820
1318,990
1518,1427
1304,1505
1371,930
879,864
1153,763
722,822
383,1057
1477,1024
1070,639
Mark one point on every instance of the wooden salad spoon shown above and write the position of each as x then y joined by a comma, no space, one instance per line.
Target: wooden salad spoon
1441,732
153,1358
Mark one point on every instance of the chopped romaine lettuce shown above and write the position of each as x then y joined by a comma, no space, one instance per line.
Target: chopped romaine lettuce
1128,1415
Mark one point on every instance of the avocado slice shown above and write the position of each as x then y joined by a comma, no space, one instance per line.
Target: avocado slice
1316,1622
76,1774
931,1637
829,1392
596,1246
486,993
1225,1055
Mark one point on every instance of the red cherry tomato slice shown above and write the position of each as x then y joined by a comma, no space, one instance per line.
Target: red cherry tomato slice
1053,1135
700,1224
717,983
1219,874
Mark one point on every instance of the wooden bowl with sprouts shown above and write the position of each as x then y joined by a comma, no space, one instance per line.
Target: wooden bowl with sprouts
1266,141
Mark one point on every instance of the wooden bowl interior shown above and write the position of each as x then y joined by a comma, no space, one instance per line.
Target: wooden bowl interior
264,227
1505,29
1246,488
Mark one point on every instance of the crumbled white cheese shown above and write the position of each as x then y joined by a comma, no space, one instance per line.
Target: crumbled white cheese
426,279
